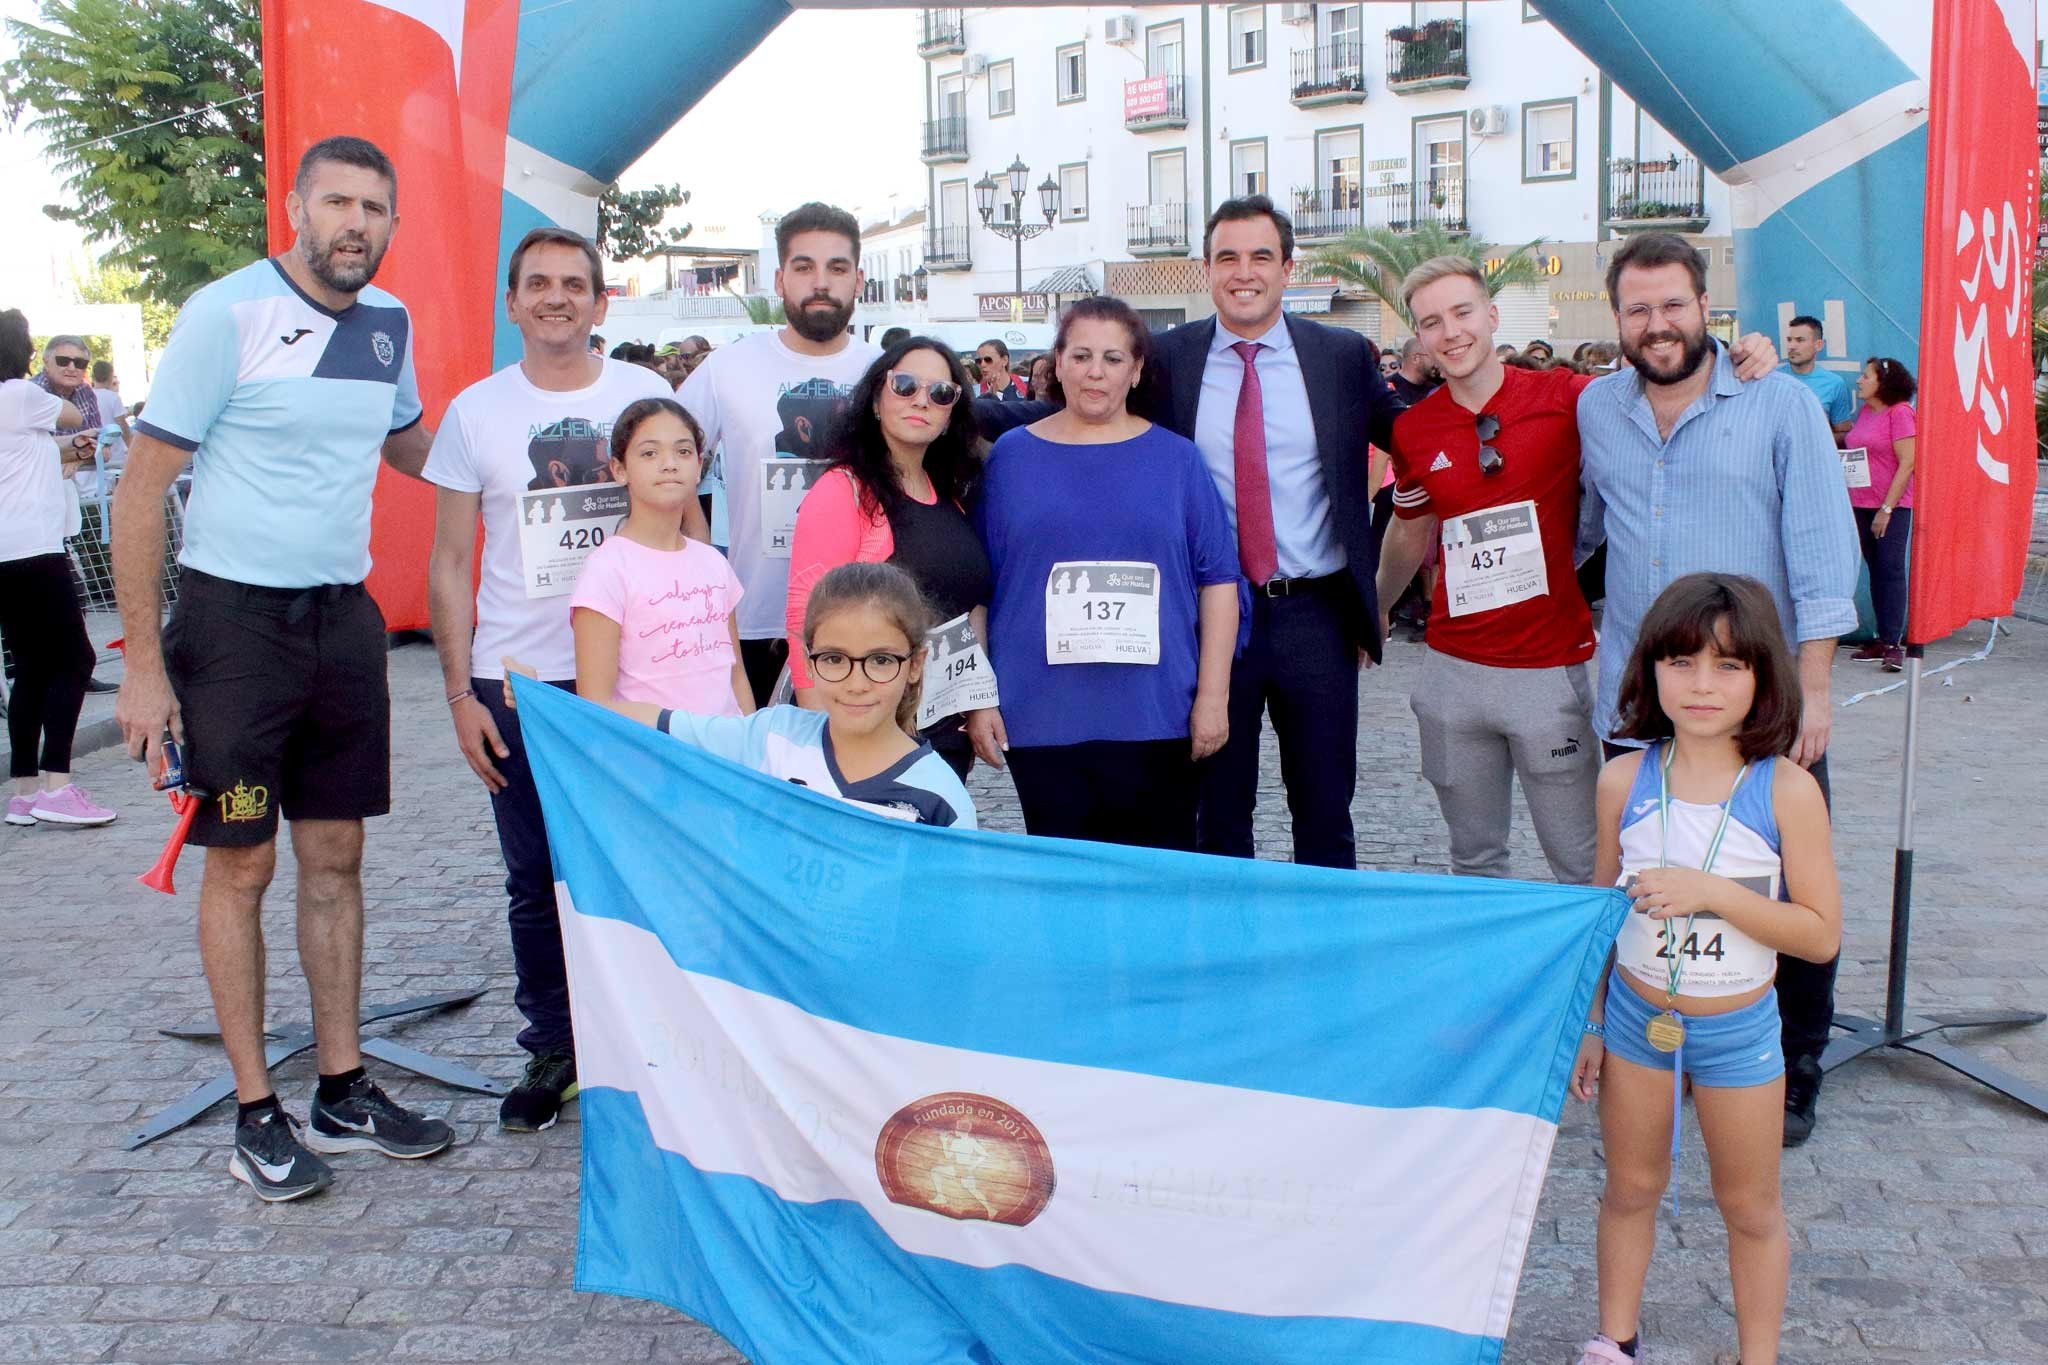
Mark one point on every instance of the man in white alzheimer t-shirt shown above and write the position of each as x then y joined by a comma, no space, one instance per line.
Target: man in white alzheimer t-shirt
772,395
529,448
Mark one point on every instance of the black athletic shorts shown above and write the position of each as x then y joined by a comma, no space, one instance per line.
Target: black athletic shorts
285,705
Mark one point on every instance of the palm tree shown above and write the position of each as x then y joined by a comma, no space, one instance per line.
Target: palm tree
1377,259
762,311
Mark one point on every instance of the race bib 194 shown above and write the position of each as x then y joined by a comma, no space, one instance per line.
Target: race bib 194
957,675
1106,613
1493,558
559,527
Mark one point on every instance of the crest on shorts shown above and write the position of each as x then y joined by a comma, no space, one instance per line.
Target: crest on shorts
965,1156
380,342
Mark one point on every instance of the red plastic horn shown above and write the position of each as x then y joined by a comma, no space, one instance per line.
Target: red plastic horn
158,878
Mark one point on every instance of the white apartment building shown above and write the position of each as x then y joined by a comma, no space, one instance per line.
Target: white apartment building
1478,116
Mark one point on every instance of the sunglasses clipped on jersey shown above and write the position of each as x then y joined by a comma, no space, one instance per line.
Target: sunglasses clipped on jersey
1491,462
942,392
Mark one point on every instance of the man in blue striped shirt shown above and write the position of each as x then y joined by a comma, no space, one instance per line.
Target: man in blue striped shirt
1685,469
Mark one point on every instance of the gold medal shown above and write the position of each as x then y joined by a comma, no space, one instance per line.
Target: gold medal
1665,1031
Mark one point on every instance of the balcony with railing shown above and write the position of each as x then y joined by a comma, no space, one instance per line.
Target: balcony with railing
1322,213
945,140
945,248
1330,73
941,33
1656,195
1156,229
1155,102
1427,56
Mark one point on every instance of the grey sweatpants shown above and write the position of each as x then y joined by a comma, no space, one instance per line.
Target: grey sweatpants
1481,728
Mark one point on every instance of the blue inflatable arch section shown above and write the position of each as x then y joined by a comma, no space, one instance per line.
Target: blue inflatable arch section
1817,125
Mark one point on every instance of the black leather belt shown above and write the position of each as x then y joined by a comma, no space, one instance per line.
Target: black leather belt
294,604
1294,587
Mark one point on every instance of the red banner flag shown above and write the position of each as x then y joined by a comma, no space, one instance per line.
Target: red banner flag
1974,475
430,82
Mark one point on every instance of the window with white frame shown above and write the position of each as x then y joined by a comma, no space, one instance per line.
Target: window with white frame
1247,37
1002,89
1074,193
1338,157
1071,67
1548,134
1164,49
1247,168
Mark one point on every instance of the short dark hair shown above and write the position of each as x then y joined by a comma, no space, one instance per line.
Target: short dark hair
894,335
1243,209
346,151
1894,381
814,217
1808,320
102,371
17,347
997,343
1653,251
1103,308
1736,615
556,236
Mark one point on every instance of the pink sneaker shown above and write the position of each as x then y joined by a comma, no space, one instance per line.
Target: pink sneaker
1603,1351
18,808
68,805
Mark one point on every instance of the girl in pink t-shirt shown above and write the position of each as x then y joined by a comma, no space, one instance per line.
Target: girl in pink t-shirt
653,610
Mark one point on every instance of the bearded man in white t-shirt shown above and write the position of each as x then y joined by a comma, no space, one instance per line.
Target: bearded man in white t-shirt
539,429
775,395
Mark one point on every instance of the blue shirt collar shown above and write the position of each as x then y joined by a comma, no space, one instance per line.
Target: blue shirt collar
1275,338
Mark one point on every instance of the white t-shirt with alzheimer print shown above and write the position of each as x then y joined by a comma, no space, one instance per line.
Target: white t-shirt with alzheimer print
764,401
504,437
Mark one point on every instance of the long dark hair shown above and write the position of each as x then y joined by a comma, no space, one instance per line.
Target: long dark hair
856,443
16,346
1736,615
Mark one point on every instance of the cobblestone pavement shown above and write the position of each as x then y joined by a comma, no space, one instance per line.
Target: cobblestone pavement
1919,1211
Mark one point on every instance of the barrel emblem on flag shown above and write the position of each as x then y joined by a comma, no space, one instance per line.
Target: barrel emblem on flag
965,1156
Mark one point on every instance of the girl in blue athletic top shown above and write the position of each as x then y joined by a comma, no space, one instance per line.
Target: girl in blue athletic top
1723,846
864,633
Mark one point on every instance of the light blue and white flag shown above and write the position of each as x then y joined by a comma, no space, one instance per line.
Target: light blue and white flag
857,1090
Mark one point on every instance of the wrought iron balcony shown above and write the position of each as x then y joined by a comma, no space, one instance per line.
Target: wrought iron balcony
945,248
1656,195
1331,73
1329,211
1427,56
945,140
941,33
1156,229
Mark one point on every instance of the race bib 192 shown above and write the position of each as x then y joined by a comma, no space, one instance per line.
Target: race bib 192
1856,466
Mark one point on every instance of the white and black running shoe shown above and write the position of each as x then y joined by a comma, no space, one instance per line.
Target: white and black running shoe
366,1120
270,1159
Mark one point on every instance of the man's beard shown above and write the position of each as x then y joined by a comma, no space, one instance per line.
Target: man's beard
818,324
342,276
1695,347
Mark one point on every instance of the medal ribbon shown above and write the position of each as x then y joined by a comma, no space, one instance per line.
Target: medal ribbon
1675,939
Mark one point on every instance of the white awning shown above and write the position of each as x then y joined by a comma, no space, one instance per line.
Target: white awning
1308,298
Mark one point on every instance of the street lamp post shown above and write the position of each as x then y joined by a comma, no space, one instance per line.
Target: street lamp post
1016,229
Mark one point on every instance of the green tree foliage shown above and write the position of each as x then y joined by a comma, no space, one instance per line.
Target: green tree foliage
1377,259
118,284
629,222
182,201
762,311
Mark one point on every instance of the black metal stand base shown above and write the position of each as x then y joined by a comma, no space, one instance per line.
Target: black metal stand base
289,1040
1866,1036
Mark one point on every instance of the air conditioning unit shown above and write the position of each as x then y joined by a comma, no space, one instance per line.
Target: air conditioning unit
973,64
1487,120
1120,28
1297,14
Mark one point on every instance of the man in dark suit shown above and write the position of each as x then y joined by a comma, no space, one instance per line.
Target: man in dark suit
1289,452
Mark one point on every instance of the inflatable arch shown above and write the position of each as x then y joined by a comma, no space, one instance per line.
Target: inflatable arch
505,114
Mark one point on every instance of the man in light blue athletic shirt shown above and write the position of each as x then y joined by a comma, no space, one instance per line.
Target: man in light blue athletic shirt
284,384
1803,343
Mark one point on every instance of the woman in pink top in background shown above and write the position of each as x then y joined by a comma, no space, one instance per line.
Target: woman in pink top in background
1884,511
652,609
904,467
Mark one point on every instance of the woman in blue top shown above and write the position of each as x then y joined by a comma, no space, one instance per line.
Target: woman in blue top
1115,610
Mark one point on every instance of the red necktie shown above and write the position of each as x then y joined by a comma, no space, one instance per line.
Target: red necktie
1255,548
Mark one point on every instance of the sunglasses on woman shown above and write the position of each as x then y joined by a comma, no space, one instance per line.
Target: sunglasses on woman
943,392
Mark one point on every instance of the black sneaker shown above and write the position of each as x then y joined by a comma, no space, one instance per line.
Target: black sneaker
269,1159
536,1102
1802,1095
366,1120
